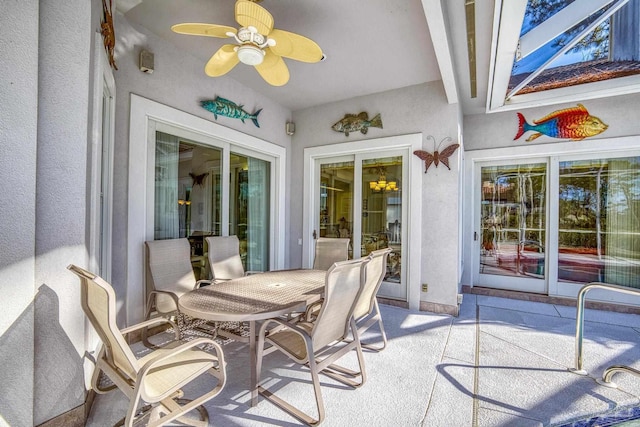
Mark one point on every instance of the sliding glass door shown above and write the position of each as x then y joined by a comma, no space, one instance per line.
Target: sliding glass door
192,200
360,197
552,225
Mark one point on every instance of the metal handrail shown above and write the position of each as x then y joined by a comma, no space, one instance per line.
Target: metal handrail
611,370
578,369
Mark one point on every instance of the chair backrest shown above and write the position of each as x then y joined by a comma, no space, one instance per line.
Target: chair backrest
330,250
224,257
99,304
169,267
374,274
342,286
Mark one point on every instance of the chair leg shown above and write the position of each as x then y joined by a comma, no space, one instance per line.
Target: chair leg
377,317
340,373
282,404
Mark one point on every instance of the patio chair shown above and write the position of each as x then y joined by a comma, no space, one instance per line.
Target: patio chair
171,275
366,312
320,343
330,250
224,258
159,376
225,264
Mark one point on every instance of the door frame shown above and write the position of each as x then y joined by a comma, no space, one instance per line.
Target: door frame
412,182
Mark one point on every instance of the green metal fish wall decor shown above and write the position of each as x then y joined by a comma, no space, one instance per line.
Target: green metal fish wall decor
224,107
360,122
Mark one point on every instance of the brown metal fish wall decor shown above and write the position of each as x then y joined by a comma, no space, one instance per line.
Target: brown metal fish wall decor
357,122
437,156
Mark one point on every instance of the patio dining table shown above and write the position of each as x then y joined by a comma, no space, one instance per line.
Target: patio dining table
253,298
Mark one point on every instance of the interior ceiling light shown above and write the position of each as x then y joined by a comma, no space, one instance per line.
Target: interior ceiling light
382,184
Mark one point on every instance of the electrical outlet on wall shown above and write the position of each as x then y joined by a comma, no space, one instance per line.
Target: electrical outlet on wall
425,287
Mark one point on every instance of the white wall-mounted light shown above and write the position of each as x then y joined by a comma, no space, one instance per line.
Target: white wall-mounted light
290,127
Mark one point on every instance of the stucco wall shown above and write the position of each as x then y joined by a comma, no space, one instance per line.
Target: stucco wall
498,130
65,49
45,85
422,108
18,139
179,81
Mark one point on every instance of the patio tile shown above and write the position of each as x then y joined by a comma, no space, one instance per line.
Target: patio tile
522,383
493,418
426,374
622,319
453,384
518,305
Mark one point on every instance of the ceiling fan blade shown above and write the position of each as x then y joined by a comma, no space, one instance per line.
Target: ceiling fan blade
295,46
222,61
250,14
210,30
273,69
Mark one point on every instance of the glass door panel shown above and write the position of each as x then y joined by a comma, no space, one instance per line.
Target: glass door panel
513,212
336,201
187,194
249,209
382,211
599,221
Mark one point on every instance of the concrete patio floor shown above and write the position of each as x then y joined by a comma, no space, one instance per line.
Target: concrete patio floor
501,362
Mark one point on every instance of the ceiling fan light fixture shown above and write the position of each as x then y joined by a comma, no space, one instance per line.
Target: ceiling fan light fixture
250,54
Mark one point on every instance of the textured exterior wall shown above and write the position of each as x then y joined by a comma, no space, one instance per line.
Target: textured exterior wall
180,82
43,137
18,137
421,108
498,130
65,49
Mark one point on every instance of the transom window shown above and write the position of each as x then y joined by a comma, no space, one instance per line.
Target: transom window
565,50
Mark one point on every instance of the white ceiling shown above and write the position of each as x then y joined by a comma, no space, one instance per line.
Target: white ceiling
371,45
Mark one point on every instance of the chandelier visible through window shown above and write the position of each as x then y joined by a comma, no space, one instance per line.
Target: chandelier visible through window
382,184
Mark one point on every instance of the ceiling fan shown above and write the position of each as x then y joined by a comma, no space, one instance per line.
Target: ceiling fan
258,44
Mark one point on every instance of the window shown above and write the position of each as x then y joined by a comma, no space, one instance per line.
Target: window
564,50
599,221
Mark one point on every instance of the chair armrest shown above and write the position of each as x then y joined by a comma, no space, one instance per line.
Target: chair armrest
150,322
287,324
182,348
167,293
312,311
201,283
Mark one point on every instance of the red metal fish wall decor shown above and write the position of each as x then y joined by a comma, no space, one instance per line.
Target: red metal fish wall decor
437,156
108,34
574,123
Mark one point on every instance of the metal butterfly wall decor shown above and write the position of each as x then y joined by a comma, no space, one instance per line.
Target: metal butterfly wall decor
437,157
198,179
